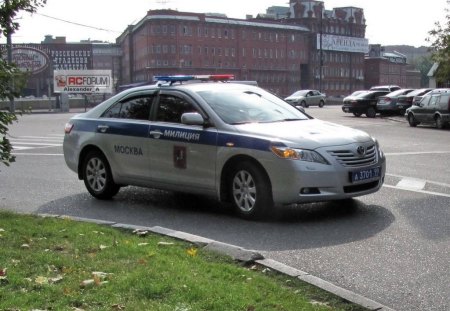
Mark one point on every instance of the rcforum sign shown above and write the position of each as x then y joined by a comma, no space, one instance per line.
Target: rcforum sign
82,81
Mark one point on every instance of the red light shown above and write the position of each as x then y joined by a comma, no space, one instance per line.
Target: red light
221,77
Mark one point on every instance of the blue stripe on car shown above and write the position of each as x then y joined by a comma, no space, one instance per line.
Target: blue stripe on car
174,134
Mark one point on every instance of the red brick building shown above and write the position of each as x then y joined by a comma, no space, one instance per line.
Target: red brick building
171,42
283,55
389,68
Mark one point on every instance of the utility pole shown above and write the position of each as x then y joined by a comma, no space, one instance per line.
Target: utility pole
12,107
320,48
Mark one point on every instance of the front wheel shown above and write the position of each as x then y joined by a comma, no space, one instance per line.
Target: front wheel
411,120
250,190
371,112
321,104
97,176
303,104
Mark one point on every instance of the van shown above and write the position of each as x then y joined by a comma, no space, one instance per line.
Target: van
434,108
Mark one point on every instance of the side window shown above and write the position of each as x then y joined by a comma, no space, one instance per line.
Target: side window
135,108
433,101
170,108
445,101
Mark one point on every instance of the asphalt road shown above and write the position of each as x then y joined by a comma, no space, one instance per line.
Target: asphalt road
392,247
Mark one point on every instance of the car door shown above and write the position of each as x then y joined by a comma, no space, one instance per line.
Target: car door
431,108
183,156
123,132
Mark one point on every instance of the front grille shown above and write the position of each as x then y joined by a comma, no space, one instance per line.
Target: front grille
351,158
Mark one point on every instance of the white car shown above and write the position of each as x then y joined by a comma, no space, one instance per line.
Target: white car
306,98
235,142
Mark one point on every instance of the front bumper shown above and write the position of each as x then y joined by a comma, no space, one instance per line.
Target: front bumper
312,182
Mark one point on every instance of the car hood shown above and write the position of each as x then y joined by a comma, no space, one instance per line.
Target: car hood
309,134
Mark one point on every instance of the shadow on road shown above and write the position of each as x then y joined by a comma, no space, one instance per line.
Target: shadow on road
294,227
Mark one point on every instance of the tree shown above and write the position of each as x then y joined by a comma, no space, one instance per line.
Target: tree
440,48
9,73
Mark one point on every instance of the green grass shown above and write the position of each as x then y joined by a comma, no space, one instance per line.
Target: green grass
48,264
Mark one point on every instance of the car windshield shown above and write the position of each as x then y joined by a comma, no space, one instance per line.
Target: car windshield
300,93
239,106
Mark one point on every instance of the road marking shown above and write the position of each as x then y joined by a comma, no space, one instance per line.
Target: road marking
411,183
416,153
419,191
21,143
38,154
425,180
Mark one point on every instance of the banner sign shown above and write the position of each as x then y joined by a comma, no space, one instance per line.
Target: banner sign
82,81
343,44
29,59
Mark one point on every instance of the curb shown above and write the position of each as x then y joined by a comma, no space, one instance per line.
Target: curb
241,255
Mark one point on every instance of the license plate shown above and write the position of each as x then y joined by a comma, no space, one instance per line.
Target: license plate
365,174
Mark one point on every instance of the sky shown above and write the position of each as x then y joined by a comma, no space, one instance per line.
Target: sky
389,22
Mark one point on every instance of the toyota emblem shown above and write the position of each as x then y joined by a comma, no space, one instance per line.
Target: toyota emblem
361,150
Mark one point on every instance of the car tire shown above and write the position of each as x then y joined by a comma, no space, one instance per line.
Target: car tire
250,190
412,121
357,114
439,122
371,112
303,104
321,104
97,176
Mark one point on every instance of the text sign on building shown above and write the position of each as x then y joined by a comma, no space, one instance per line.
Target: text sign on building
29,59
82,81
343,44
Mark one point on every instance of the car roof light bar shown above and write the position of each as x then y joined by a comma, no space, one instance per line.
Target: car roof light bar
182,78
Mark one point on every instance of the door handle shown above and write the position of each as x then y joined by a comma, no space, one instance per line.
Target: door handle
102,128
156,134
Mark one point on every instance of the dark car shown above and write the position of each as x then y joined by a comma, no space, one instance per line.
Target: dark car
407,100
388,103
434,108
365,103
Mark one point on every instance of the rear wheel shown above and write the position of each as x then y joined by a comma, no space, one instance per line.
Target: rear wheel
250,190
412,121
97,176
371,113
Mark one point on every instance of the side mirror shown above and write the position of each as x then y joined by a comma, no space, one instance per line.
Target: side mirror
192,118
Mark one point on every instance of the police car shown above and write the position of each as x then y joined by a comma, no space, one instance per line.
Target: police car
235,142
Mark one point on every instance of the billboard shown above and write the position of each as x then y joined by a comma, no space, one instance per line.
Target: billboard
82,81
343,44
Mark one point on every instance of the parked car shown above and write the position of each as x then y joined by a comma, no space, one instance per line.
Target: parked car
417,99
389,88
354,94
434,108
364,103
306,98
407,100
388,103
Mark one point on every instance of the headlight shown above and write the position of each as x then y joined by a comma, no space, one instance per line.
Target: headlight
377,145
298,154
